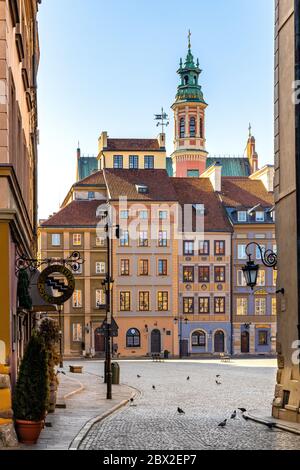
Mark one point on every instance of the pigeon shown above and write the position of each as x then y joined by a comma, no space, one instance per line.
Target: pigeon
271,425
138,376
218,376
180,411
245,417
218,383
223,424
153,386
243,410
233,416
188,378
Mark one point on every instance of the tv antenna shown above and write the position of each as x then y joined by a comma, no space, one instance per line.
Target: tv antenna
162,120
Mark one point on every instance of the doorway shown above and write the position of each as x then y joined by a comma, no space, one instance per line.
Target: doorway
155,342
99,342
219,342
245,342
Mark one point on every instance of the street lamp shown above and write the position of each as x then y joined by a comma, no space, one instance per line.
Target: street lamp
180,320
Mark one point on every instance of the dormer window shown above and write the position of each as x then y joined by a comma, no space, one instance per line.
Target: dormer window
242,216
259,216
142,189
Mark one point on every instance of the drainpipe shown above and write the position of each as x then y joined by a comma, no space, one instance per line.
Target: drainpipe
297,136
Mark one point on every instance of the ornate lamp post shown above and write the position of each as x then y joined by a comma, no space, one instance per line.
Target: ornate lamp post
180,320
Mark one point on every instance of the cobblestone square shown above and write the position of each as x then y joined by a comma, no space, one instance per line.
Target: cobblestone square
153,423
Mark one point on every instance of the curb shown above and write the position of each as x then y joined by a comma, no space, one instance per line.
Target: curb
75,444
78,390
272,421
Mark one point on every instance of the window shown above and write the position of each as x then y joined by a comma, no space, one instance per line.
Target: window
56,238
274,306
204,305
163,301
188,248
275,249
275,274
201,128
133,338
193,173
162,267
258,253
242,216
242,252
188,274
219,248
77,239
77,299
144,267
118,161
100,267
188,305
144,303
192,127
125,301
220,273
219,304
124,215
263,338
182,128
260,306
143,239
100,241
163,215
259,216
204,248
204,274
149,162
77,332
144,215
261,278
162,239
142,189
199,339
241,281
273,215
124,267
100,298
242,306
133,162
91,195
124,240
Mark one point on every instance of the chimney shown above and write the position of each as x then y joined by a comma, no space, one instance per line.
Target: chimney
266,176
214,173
162,140
102,141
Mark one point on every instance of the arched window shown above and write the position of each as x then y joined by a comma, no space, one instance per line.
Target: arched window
133,338
195,80
186,80
201,128
182,128
199,339
192,127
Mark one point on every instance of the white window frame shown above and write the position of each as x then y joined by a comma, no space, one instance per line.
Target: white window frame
260,216
100,298
242,306
242,216
100,267
56,236
77,298
240,277
100,241
260,307
77,333
257,251
239,248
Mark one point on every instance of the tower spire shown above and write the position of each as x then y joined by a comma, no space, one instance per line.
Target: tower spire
189,39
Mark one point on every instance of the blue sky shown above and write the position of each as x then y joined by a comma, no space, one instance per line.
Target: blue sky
111,65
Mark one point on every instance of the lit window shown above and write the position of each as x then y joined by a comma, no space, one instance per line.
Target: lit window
219,248
204,305
260,307
274,306
219,305
144,301
100,298
124,267
220,273
275,275
144,267
260,216
204,274
188,274
163,301
242,216
188,305
263,338
77,299
261,278
56,238
100,267
242,306
125,301
162,239
77,332
77,239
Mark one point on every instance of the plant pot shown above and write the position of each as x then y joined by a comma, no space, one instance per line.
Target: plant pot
28,431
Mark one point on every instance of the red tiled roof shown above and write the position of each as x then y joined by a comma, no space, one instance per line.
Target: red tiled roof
124,182
244,192
75,214
93,179
142,145
200,191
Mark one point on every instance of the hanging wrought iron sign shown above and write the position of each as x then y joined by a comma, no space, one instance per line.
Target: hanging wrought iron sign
63,284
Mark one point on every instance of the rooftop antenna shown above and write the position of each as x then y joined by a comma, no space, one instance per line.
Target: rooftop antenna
162,120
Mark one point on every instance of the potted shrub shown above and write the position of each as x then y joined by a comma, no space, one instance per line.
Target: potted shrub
31,392
49,330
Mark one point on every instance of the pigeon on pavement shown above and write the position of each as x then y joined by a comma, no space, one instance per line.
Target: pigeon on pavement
223,424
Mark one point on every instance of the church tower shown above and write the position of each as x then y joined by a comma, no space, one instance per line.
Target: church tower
190,155
251,152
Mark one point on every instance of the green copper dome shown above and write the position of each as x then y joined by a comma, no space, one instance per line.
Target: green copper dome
189,88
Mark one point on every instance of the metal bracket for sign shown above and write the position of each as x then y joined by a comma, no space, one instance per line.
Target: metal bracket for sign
74,262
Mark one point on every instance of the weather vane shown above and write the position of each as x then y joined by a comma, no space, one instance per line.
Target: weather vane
162,120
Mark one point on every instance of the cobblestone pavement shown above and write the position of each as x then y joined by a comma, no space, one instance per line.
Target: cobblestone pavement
154,424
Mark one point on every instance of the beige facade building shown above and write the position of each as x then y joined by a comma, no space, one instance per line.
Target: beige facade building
19,59
287,147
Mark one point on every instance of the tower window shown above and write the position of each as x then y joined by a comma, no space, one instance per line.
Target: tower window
186,80
192,127
195,80
182,128
201,128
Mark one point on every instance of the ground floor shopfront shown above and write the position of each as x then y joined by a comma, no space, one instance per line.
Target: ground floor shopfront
254,338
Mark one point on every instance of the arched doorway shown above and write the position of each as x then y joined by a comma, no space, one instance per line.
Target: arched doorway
99,342
245,342
219,342
155,342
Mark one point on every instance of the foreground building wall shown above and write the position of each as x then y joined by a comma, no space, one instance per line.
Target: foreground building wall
287,394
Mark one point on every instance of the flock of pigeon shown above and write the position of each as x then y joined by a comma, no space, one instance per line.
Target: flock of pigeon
218,383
